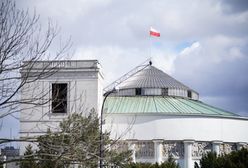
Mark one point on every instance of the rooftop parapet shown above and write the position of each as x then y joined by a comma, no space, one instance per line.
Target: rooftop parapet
61,65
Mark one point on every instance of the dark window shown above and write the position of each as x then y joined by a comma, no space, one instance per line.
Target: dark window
189,94
138,91
59,97
165,91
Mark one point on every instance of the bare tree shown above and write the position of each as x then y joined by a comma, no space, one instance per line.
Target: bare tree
23,43
24,49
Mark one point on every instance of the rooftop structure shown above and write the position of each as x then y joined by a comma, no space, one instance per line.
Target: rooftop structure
152,81
65,87
154,113
159,116
9,153
166,105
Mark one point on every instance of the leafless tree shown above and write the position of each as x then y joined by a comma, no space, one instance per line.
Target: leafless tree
24,51
23,43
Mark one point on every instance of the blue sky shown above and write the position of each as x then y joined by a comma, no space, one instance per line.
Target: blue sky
203,43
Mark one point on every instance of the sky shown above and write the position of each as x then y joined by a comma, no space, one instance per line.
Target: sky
203,43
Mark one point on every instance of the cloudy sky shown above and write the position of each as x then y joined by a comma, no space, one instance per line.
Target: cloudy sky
203,44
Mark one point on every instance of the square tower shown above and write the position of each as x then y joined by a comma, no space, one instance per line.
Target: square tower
55,89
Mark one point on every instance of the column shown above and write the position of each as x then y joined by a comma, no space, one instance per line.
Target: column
188,153
4,159
216,147
158,150
132,146
240,145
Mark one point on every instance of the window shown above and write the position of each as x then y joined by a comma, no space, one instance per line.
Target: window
137,91
189,94
59,97
164,91
145,149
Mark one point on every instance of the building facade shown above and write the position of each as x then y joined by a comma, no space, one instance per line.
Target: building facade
153,114
9,153
158,116
67,87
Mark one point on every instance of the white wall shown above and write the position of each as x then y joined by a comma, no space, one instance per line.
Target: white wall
84,93
199,128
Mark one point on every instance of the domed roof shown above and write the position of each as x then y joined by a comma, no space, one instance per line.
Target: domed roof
152,77
143,93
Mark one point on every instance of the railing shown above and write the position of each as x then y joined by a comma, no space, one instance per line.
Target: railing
137,69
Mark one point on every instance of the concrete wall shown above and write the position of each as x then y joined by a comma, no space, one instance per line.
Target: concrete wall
200,128
84,93
186,138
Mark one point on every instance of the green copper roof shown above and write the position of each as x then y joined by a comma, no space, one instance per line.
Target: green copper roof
161,105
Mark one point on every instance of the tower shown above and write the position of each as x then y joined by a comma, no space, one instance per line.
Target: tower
66,87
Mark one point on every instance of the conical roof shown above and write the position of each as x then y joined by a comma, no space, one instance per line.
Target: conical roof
152,77
178,100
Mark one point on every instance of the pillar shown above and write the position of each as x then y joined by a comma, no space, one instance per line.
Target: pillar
240,145
188,153
4,159
158,150
132,147
216,147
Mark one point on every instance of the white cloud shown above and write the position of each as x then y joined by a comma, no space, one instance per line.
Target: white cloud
213,50
116,61
64,9
191,49
116,33
216,66
223,48
235,53
164,60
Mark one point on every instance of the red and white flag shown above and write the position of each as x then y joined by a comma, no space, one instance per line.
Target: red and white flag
154,32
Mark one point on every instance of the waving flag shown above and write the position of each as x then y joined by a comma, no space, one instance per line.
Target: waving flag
154,32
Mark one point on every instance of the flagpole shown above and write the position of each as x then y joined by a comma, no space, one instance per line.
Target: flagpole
150,46
150,43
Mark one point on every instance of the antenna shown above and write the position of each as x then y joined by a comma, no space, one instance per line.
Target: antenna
135,70
10,136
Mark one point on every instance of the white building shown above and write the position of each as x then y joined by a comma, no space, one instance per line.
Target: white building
159,116
77,84
155,114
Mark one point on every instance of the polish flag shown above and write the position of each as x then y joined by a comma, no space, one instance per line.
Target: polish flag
154,32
